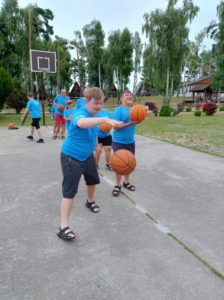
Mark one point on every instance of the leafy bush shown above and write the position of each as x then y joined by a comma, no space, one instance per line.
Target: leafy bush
5,86
165,110
179,108
188,108
199,106
197,113
209,108
152,106
17,98
221,108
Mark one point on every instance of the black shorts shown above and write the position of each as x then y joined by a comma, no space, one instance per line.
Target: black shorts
73,169
106,141
118,146
35,123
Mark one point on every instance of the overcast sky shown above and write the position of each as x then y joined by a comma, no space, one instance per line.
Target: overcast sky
71,15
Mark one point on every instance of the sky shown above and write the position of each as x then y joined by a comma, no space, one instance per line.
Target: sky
72,15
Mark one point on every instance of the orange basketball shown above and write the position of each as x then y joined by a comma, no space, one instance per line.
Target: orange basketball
138,113
61,107
123,162
105,127
10,126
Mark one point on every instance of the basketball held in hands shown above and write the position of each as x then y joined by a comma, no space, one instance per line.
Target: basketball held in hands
105,127
138,113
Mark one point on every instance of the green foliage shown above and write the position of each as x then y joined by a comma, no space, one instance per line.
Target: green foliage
5,86
167,32
17,98
209,108
188,108
165,110
221,108
197,113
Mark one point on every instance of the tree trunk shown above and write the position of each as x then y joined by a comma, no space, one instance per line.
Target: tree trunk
166,100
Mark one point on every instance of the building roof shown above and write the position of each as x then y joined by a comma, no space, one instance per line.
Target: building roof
199,87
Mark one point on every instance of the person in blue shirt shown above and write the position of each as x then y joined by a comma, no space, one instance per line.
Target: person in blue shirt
77,157
33,106
123,137
60,102
68,112
81,102
53,118
104,142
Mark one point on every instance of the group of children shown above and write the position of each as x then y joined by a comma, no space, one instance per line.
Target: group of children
80,152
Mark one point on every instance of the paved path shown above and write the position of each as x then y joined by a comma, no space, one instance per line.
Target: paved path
163,241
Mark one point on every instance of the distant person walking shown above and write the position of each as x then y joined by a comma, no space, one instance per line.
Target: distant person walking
60,102
33,106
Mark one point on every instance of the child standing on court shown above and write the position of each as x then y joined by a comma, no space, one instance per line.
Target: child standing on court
123,137
77,157
33,106
68,112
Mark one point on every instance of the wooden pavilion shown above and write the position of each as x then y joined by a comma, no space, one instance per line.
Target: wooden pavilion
76,91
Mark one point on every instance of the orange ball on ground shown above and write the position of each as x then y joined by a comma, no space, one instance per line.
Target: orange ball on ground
10,125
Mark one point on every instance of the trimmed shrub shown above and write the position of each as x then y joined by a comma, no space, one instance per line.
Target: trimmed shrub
221,108
199,106
197,113
209,108
165,110
152,106
188,108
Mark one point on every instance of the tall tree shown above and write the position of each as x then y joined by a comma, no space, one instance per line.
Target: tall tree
94,39
168,41
216,31
137,46
79,62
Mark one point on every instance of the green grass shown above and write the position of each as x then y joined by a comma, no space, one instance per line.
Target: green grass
205,133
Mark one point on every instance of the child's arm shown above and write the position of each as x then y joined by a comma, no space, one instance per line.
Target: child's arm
124,125
92,122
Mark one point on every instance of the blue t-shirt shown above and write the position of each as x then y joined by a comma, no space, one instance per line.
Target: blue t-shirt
81,102
80,142
59,99
67,113
35,108
53,112
124,135
104,113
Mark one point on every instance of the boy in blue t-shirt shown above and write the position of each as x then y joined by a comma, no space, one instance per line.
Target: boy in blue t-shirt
33,106
68,112
123,137
60,102
77,157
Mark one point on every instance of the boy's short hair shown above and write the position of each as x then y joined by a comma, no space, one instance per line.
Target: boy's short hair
95,93
29,94
125,92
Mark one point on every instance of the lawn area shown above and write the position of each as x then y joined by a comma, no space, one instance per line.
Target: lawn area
205,133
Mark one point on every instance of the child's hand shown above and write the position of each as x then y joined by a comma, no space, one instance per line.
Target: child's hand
69,118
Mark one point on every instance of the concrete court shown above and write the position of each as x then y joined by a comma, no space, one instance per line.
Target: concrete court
135,248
